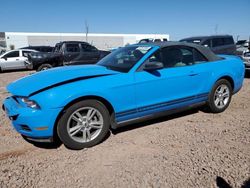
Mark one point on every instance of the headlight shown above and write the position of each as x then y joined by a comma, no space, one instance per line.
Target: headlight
30,103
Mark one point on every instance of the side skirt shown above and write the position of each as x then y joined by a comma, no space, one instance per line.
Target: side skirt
116,125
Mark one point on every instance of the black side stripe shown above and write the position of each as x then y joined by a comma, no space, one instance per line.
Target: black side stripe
66,82
163,104
124,113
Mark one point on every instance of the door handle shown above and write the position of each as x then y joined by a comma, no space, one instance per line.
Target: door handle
17,59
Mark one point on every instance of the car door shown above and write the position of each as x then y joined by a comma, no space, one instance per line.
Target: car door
71,54
12,60
24,58
174,86
90,54
218,46
230,47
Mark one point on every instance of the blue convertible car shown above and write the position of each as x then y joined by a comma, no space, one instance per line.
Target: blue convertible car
81,103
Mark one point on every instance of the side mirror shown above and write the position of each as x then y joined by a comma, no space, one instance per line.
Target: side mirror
151,66
4,58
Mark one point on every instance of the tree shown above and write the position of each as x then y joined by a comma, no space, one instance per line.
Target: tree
86,29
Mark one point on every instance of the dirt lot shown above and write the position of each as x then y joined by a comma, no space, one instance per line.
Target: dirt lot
189,149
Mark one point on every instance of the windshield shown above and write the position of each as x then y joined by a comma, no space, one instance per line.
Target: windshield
123,59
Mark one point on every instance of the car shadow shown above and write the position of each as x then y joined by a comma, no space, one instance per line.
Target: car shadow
52,145
222,183
246,184
56,142
46,145
154,121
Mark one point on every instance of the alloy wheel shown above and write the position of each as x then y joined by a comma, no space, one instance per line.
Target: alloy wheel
85,124
221,96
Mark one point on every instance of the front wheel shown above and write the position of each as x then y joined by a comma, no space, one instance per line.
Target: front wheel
220,96
44,67
84,124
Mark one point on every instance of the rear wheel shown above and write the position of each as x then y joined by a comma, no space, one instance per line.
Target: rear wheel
44,67
84,124
220,96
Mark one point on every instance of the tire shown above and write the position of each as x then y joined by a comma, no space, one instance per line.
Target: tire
44,67
76,130
222,92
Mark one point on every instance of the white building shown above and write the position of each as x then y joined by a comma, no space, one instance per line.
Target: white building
102,41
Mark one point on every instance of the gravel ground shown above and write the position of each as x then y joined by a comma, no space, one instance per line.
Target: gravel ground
190,149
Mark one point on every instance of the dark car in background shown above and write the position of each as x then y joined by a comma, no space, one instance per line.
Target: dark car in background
219,44
66,53
40,48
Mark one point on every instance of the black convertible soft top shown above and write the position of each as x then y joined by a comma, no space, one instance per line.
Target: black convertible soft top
202,49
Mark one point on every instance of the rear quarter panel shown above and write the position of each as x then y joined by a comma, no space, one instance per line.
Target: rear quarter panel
229,66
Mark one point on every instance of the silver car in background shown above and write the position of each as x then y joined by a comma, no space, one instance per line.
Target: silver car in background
246,59
14,59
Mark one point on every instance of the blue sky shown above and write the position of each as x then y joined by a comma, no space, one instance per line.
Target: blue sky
179,18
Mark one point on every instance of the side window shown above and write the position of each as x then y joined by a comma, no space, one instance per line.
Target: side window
58,48
12,54
207,43
177,56
180,56
217,42
198,57
26,53
73,48
228,40
155,57
88,48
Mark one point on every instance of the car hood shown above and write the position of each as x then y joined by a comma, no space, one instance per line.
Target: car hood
44,80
